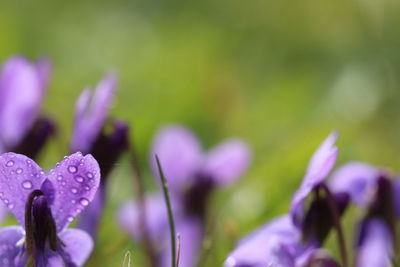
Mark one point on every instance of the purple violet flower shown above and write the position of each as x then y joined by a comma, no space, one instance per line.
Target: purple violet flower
318,169
89,137
44,205
22,89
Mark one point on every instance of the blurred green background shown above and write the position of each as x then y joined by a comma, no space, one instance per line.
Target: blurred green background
279,74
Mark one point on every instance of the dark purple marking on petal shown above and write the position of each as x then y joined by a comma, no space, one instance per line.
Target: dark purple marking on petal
19,176
75,180
9,251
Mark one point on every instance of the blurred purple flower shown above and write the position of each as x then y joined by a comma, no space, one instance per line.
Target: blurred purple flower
375,244
357,179
22,89
44,205
277,243
89,137
318,169
192,175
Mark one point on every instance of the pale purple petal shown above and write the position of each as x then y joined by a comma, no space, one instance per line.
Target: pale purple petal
75,180
357,179
318,169
156,217
48,258
78,245
376,248
227,162
19,176
274,244
21,95
191,232
91,114
179,153
9,237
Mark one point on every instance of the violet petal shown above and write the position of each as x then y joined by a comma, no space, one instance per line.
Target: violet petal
319,167
91,114
227,162
9,236
75,180
376,249
21,93
357,179
78,245
19,176
179,153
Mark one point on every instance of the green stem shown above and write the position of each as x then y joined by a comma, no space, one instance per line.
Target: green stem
170,213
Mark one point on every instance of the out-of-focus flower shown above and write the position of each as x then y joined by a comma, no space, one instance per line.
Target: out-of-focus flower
318,170
44,205
375,244
22,90
192,176
291,240
277,243
89,136
357,179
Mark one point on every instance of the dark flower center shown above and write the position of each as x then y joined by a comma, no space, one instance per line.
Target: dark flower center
40,226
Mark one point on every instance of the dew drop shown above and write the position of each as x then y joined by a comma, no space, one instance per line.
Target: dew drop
72,169
84,202
73,201
5,201
63,183
19,171
74,190
1,194
79,179
89,175
10,206
59,177
70,218
87,188
78,210
10,163
27,184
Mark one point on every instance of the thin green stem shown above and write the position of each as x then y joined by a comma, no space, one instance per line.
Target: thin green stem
170,213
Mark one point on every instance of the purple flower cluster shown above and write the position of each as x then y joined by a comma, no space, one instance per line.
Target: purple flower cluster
45,203
297,239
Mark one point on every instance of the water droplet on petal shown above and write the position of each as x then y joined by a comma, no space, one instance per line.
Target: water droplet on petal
10,163
73,201
72,169
10,206
27,184
41,172
84,202
63,183
1,194
5,201
70,218
19,171
87,188
74,190
59,178
89,175
79,179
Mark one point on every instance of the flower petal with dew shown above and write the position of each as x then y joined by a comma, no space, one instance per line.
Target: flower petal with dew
50,202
